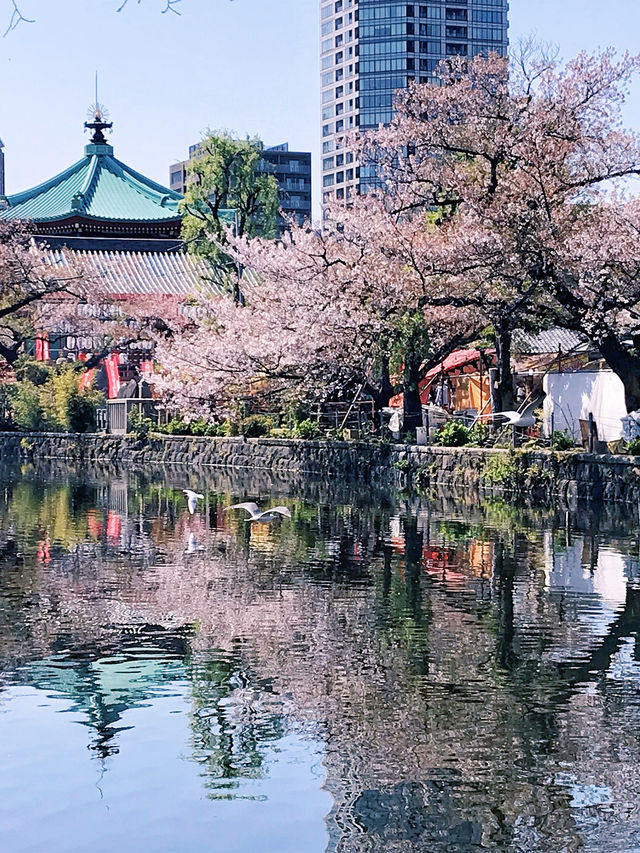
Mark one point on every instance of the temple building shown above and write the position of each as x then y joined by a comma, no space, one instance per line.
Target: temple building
122,227
100,199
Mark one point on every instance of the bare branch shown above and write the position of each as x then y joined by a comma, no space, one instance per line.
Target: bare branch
16,18
170,7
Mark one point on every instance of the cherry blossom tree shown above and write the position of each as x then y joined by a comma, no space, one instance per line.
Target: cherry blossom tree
523,166
42,293
502,202
323,314
31,291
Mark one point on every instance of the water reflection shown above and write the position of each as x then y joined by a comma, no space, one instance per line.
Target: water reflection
454,675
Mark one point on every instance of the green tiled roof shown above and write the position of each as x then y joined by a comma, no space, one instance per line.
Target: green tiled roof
98,187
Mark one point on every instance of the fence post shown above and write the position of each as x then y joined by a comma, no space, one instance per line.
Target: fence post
591,432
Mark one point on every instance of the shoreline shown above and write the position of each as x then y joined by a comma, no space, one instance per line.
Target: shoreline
541,475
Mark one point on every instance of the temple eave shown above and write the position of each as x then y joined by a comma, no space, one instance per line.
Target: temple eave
79,226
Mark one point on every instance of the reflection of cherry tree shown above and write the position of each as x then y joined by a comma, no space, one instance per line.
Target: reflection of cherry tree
443,699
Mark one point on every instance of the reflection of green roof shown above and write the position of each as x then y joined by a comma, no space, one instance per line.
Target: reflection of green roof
98,187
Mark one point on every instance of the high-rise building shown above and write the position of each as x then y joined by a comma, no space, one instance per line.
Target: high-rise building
371,48
291,169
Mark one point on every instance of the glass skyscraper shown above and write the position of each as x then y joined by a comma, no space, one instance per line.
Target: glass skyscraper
371,48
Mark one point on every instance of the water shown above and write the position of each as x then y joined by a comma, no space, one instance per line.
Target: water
378,674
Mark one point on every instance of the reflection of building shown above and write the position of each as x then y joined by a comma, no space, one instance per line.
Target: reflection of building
106,687
369,49
291,169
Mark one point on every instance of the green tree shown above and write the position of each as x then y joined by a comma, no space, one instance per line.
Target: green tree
226,174
49,398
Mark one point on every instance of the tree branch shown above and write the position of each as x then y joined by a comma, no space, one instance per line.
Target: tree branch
170,7
16,18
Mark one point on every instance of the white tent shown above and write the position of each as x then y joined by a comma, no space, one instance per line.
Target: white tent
572,396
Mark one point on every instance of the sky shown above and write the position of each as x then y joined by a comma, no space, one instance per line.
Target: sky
250,66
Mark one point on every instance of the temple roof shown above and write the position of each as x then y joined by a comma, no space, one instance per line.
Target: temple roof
139,273
548,341
147,273
98,187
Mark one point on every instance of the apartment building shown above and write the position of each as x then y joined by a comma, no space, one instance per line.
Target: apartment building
371,48
292,171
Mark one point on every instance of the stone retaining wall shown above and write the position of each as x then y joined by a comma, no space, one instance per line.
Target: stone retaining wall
543,475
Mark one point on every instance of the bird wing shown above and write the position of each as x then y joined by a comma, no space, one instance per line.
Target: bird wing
530,408
282,510
191,494
251,507
510,417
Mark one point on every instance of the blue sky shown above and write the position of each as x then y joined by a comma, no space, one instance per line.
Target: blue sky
245,65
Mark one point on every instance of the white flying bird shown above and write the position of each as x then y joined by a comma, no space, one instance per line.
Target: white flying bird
516,419
258,515
192,499
525,418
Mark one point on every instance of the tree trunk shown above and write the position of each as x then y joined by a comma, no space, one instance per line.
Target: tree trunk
410,387
505,377
10,354
625,365
383,391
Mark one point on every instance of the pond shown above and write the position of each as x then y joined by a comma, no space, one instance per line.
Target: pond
378,673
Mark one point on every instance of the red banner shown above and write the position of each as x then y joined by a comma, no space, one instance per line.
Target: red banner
85,379
42,346
113,376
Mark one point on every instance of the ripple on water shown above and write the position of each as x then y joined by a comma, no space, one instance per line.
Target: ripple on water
375,675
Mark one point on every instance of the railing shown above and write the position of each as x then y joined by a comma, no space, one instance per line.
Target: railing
118,411
342,415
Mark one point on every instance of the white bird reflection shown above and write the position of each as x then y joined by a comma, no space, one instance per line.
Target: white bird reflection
192,545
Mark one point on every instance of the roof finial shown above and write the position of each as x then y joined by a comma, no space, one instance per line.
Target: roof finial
98,113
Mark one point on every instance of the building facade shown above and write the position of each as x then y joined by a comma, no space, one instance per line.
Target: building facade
292,171
371,48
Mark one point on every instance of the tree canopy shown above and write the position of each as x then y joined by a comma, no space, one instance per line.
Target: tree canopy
506,204
227,174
